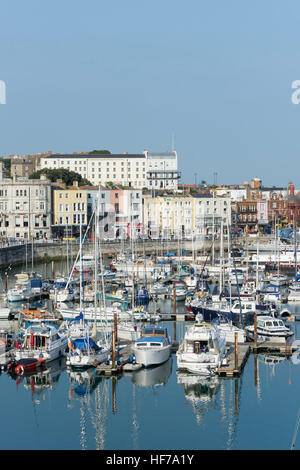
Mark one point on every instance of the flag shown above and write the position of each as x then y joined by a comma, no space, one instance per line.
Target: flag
17,345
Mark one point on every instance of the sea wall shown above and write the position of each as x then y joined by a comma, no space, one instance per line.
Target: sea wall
45,252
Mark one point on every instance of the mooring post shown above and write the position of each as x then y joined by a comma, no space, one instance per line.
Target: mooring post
113,356
174,300
255,331
116,329
236,354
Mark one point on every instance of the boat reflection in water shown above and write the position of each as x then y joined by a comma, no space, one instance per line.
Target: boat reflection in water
44,380
200,392
41,381
92,393
150,376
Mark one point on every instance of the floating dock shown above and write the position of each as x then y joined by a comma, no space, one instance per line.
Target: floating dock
235,367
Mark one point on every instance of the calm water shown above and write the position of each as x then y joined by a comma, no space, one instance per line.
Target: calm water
154,409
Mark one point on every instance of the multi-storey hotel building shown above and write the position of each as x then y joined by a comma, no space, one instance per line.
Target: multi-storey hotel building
145,170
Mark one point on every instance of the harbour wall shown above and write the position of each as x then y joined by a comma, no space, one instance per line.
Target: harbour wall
45,252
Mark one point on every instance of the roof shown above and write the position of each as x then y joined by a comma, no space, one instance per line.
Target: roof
96,155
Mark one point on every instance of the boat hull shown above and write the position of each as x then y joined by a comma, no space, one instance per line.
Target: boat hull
150,357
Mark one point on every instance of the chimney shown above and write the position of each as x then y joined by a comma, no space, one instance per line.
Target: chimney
75,184
291,189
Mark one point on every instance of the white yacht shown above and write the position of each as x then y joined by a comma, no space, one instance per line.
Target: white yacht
227,331
294,292
236,277
153,347
278,280
269,329
158,288
42,342
181,290
86,262
202,350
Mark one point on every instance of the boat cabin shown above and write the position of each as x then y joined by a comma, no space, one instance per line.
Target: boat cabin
153,338
270,323
156,332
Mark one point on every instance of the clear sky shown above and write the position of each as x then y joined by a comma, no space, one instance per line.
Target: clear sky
127,75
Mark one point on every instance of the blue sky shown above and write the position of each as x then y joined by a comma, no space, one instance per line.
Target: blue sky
126,76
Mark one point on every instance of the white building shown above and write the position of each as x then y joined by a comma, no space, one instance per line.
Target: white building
25,208
145,170
162,170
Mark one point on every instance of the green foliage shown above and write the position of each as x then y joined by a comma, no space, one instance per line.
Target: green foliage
7,166
61,174
101,152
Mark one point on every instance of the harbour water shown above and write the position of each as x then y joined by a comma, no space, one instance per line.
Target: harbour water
156,408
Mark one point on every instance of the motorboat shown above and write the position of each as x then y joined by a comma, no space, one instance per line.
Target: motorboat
181,290
86,262
153,347
20,293
142,296
158,288
202,350
236,277
25,366
294,292
42,342
269,329
278,280
228,331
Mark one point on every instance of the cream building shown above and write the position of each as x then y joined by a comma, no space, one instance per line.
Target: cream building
25,208
185,215
145,170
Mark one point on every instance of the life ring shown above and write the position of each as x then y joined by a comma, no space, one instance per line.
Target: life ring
19,370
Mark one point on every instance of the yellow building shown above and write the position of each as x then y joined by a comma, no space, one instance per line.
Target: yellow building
168,215
70,208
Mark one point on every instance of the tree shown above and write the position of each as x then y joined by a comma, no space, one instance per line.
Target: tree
7,166
61,174
102,152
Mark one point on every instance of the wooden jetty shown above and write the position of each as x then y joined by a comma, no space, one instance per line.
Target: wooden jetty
237,358
279,348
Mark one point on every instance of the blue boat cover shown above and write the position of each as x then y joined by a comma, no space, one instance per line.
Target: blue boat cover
36,282
78,318
85,343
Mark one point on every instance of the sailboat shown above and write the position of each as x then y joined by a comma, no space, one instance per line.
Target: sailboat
294,288
87,350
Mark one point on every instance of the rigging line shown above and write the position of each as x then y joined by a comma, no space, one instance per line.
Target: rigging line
296,431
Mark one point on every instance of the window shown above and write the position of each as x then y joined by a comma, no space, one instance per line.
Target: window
17,221
25,221
36,221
